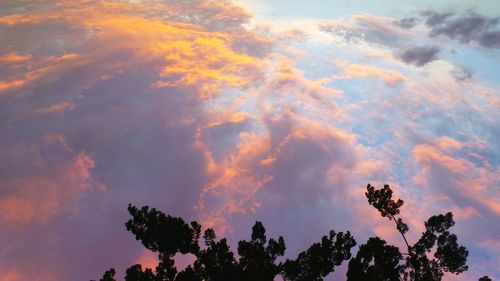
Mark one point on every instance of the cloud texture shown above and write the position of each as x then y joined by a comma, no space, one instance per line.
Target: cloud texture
197,109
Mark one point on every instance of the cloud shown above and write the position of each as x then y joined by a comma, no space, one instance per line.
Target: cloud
9,85
454,179
102,107
490,39
435,18
469,27
55,108
13,57
462,74
175,43
419,56
31,71
407,23
446,168
177,105
41,180
389,77
366,27
301,167
214,14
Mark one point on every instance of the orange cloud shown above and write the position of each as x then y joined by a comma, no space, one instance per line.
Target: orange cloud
188,53
11,275
55,108
26,18
13,57
252,164
37,70
206,59
9,85
389,77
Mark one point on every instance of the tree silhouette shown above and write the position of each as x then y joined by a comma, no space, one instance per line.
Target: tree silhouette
109,275
434,254
388,261
375,261
258,260
320,259
167,235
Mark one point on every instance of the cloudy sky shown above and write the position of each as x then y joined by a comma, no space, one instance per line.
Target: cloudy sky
231,112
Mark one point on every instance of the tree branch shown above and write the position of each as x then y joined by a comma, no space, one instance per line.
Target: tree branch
402,234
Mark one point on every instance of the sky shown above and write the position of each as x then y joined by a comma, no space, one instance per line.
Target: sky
231,112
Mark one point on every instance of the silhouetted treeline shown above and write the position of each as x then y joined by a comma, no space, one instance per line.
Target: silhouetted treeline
436,252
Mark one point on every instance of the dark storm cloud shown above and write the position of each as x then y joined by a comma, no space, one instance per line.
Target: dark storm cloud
434,18
419,56
490,39
469,27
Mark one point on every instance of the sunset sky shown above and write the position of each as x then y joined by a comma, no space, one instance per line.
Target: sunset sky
231,112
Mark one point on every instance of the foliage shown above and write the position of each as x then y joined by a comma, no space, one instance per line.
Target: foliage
320,259
436,242
258,257
375,261
109,275
436,252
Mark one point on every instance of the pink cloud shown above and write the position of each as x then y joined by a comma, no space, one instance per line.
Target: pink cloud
450,178
59,107
305,159
389,77
42,179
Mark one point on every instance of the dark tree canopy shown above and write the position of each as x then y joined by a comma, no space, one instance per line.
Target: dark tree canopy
109,275
436,241
161,233
376,261
258,260
320,259
436,252
258,257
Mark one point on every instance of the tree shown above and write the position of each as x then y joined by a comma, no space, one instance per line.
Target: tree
375,261
428,259
258,257
320,259
436,241
258,260
217,261
109,275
